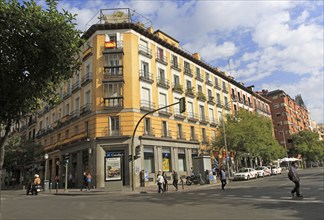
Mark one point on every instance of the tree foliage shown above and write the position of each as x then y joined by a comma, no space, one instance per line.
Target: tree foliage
39,49
249,133
309,145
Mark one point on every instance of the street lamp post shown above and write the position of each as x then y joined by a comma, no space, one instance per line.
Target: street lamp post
284,137
45,174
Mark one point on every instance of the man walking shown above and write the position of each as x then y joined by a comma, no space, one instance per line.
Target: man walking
294,177
222,176
175,179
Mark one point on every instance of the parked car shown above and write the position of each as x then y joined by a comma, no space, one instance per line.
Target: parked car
245,174
275,170
263,171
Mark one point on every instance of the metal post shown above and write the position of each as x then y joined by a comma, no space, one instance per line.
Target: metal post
226,152
66,177
45,174
132,141
285,142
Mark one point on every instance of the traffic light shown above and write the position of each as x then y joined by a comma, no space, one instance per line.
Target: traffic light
66,159
137,152
182,104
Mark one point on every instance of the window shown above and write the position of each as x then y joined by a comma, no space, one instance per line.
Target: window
161,74
209,93
166,159
176,79
203,134
77,105
216,82
174,61
199,88
180,135
218,98
53,118
149,159
76,129
211,115
182,160
190,108
160,54
59,137
114,125
145,69
67,134
188,83
194,153
197,71
163,100
186,65
87,97
67,109
226,100
192,133
111,90
224,86
88,68
147,126
202,112
164,129
60,114
86,127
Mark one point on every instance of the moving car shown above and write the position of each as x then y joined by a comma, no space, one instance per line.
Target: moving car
275,170
263,171
245,174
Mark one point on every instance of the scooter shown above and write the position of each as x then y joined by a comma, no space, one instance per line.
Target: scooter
33,189
194,179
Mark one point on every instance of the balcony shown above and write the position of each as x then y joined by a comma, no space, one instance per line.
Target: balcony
145,51
209,82
219,103
113,47
86,108
147,105
203,119
165,111
216,86
211,100
166,134
188,72
190,92
213,123
176,66
225,90
227,106
177,88
149,132
201,96
67,93
86,79
192,117
146,76
113,103
163,83
178,115
161,59
76,86
199,77
181,136
193,137
74,114
113,73
109,132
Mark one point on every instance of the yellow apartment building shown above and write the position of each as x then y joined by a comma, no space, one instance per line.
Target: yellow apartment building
127,71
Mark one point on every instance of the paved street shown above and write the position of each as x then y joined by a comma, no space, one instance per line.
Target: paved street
263,198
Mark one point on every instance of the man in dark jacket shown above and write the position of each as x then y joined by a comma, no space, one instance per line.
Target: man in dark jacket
295,179
175,179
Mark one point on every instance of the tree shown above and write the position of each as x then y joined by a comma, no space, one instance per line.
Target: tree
309,145
39,49
248,133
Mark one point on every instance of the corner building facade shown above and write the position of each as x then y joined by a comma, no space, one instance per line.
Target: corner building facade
127,71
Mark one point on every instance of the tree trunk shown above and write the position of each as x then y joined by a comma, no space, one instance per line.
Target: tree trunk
2,143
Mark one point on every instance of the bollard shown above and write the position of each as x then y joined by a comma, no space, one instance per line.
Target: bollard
50,187
181,180
56,187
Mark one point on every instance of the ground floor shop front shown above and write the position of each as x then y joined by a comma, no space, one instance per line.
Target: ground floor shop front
109,162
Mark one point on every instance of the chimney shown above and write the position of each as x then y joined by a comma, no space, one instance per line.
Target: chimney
196,56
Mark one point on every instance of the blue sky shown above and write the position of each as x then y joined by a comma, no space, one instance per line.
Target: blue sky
270,44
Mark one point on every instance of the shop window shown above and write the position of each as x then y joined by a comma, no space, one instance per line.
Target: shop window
166,159
149,159
182,160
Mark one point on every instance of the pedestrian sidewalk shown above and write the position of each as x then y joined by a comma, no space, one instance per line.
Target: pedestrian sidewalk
127,190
